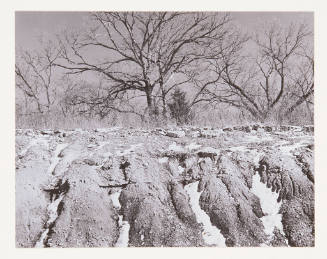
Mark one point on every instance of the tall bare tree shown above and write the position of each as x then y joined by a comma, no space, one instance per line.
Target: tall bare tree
141,52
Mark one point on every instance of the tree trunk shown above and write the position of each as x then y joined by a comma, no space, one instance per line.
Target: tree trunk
149,100
164,109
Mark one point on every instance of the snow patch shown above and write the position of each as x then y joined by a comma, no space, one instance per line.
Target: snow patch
180,169
115,199
80,130
269,205
55,159
106,130
123,225
253,138
52,212
193,146
40,243
163,160
124,233
239,149
263,137
175,147
65,163
211,234
256,156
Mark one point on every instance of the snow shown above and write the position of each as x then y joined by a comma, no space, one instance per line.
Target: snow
269,205
239,149
211,234
193,146
124,233
257,157
211,133
52,212
163,160
263,137
175,147
40,244
55,159
253,138
106,130
123,225
52,209
115,199
80,130
180,169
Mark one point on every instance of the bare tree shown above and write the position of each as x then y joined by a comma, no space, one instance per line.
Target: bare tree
35,76
142,51
94,99
303,84
263,84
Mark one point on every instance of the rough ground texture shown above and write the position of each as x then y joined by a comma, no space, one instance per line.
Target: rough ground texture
126,187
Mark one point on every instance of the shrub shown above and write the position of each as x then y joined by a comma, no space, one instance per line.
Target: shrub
180,109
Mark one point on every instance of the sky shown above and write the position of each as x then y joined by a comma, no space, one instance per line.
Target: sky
30,25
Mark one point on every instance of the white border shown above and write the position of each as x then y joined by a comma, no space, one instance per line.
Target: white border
7,183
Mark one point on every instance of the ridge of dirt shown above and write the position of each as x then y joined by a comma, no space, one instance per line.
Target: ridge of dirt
106,187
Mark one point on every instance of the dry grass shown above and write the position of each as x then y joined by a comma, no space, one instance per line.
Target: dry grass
218,118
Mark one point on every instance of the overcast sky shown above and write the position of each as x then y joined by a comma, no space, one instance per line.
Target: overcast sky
30,25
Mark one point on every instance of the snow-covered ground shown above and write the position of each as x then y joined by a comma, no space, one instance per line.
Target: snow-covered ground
269,205
211,234
124,233
44,159
52,212
163,160
55,158
255,138
123,225
193,146
289,148
175,147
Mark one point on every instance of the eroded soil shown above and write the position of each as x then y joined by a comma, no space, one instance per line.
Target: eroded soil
241,186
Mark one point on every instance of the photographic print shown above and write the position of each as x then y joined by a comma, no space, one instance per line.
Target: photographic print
164,129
